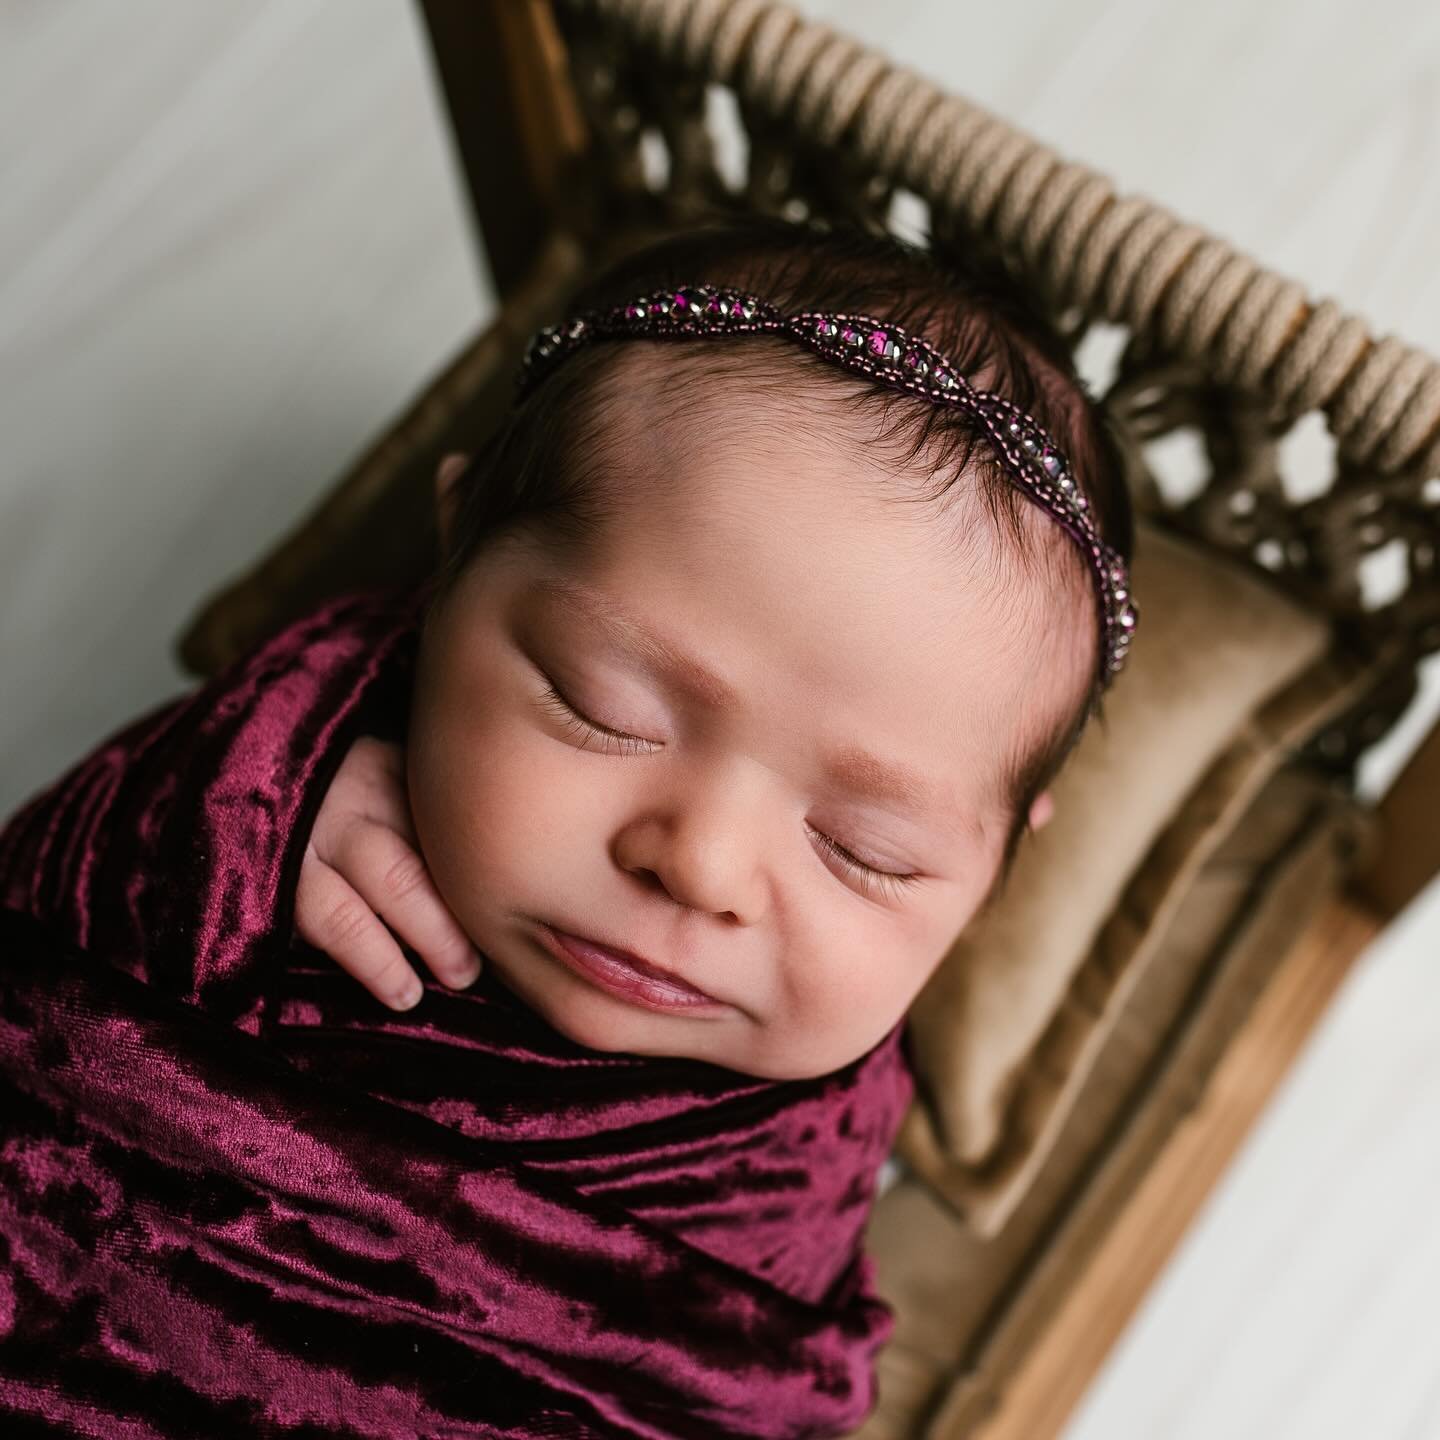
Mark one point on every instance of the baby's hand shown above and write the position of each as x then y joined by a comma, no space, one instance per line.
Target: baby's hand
362,863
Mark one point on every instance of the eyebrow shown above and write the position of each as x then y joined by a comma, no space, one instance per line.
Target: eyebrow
853,766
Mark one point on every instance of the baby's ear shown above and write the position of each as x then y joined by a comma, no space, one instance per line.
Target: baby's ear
1042,809
446,496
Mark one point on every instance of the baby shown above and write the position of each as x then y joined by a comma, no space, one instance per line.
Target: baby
745,671
758,638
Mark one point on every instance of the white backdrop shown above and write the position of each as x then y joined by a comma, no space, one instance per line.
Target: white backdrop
232,246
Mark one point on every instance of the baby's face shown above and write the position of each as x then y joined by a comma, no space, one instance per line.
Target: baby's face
784,650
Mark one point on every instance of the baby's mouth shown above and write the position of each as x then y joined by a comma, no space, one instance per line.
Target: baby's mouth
627,974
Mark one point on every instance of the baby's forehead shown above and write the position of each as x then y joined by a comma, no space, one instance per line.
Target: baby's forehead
776,464
695,453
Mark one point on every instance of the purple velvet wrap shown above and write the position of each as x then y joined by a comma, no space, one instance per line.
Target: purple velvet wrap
240,1196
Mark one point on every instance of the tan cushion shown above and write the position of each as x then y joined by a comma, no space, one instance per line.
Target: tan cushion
1216,644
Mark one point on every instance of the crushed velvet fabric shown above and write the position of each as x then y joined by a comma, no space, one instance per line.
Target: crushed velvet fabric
240,1196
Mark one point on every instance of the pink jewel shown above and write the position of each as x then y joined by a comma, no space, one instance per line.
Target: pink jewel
715,305
682,300
849,336
737,308
821,328
633,312
877,342
659,307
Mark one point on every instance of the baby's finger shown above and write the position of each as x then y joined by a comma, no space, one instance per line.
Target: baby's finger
395,880
330,916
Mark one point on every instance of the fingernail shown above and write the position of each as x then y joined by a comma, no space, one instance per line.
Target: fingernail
409,997
469,975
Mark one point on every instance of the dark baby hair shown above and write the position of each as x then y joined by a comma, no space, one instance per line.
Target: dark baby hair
550,470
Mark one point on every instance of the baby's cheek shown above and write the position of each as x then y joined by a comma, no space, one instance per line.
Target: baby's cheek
825,990
864,970
456,787
495,814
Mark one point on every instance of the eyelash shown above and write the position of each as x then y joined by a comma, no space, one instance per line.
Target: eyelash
868,873
557,704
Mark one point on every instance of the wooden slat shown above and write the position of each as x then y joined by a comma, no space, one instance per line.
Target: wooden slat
1408,856
1044,1391
517,127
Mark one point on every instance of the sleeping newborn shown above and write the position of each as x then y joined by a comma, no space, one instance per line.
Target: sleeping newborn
757,638
738,667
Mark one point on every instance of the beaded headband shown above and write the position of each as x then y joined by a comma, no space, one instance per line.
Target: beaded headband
900,361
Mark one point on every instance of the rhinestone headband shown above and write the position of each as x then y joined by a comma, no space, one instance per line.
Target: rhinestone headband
891,357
